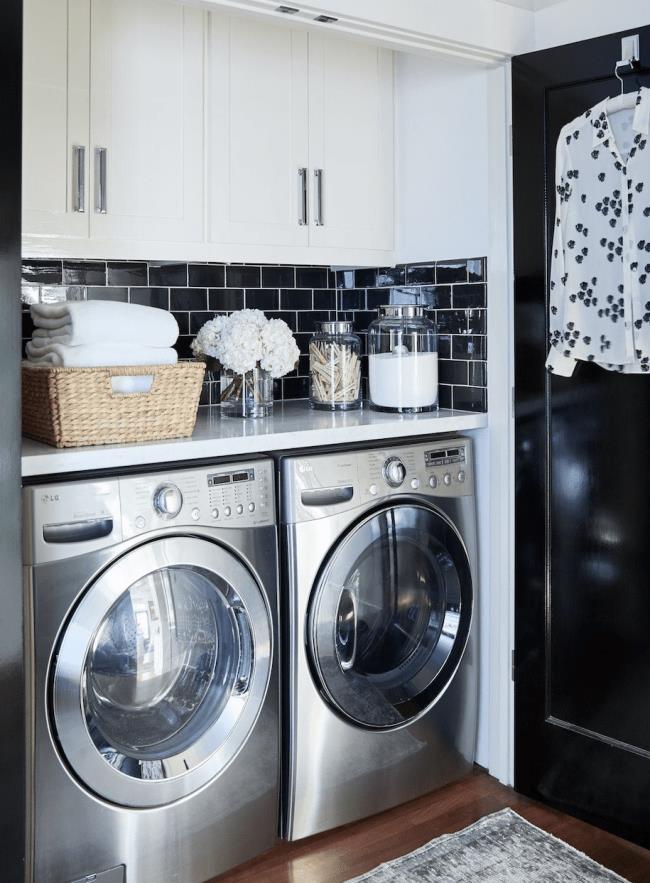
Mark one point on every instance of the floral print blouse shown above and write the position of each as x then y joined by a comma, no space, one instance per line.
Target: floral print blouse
600,265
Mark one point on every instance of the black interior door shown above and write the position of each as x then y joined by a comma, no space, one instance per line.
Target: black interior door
582,688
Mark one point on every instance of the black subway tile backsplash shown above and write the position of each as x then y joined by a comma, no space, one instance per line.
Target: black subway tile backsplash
453,292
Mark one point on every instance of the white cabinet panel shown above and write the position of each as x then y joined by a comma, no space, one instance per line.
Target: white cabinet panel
351,141
147,113
257,131
55,114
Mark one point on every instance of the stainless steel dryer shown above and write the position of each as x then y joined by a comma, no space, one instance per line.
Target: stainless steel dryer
381,668
153,702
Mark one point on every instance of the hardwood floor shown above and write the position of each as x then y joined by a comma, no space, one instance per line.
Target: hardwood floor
351,850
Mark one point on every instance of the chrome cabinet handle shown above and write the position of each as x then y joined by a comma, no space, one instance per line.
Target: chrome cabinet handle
78,178
318,179
303,199
100,180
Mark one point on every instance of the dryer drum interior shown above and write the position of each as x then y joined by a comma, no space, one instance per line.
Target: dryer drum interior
156,668
390,615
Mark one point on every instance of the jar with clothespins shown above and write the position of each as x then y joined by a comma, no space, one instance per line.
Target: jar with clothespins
335,367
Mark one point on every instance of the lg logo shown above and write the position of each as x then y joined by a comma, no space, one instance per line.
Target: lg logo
50,498
305,467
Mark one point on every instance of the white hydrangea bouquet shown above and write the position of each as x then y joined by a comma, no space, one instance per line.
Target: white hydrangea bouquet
251,351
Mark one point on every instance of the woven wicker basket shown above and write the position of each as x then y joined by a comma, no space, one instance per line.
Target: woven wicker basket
70,407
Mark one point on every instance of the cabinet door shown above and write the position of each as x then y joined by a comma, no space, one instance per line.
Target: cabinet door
147,115
55,116
257,131
351,143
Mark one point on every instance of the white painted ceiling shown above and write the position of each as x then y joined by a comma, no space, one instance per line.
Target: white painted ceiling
533,5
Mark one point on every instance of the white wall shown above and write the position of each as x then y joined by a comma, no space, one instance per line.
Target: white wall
442,159
574,20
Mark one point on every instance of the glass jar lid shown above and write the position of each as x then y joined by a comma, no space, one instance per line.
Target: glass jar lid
402,311
335,327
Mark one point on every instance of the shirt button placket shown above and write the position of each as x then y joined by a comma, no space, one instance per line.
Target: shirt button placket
629,294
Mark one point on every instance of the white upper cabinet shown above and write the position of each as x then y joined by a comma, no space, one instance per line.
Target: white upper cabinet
154,129
257,124
351,138
55,117
146,121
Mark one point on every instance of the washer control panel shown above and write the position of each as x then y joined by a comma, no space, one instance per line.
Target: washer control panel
323,484
219,496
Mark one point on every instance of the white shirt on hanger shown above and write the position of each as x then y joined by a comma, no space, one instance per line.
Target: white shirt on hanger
600,265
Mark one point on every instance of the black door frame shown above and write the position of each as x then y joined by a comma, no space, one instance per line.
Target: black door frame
537,734
12,687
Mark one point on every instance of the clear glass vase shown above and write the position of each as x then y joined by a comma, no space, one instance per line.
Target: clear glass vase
246,395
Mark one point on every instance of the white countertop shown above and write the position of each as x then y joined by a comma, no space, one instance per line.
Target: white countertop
293,425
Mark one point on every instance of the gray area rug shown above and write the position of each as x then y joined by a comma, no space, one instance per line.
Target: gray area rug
500,848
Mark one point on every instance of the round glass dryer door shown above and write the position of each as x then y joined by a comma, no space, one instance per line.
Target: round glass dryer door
390,616
161,671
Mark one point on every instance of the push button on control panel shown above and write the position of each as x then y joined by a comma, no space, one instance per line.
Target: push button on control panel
433,481
447,478
461,476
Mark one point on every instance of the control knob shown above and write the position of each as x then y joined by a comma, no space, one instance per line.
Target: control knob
167,500
394,471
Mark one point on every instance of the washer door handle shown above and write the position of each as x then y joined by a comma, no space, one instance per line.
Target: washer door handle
346,630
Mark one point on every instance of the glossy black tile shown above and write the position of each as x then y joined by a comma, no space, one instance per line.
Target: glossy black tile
452,321
308,321
183,346
390,276
208,275
126,273
183,320
311,277
476,270
471,346
150,297
226,299
451,271
302,339
444,396
469,296
168,274
45,272
470,398
295,387
205,394
354,299
296,299
421,274
477,321
262,299
27,328
452,372
198,320
435,297
241,276
325,299
278,277
477,373
107,292
348,278
84,273
444,346
188,299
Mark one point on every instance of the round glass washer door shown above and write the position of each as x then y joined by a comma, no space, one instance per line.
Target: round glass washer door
161,671
390,616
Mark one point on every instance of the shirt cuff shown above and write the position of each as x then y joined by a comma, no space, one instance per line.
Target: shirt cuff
560,364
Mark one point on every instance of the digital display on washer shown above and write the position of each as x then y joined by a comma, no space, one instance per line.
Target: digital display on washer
231,477
444,457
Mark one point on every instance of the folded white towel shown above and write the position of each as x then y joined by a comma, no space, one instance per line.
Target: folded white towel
78,323
99,355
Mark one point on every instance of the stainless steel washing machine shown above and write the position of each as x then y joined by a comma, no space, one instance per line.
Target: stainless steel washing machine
153,696
380,563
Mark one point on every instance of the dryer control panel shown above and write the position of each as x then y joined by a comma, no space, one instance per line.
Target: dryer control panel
323,484
77,517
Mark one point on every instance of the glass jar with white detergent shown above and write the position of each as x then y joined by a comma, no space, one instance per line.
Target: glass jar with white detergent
403,360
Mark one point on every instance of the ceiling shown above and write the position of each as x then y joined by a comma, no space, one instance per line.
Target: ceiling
533,5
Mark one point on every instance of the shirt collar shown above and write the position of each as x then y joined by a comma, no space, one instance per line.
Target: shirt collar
640,123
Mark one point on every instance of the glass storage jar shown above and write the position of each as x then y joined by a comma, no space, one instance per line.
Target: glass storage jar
403,360
335,367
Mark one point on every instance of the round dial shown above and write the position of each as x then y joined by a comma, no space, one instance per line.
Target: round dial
167,500
394,471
